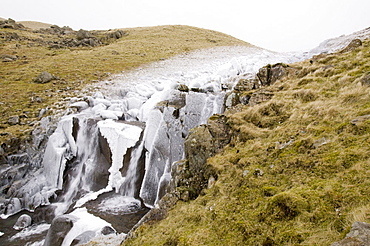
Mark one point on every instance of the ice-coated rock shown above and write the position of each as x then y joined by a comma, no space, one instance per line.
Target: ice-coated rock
80,105
106,102
59,228
99,107
109,114
98,95
22,222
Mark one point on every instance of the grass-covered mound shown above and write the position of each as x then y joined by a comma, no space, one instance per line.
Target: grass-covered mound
26,53
297,171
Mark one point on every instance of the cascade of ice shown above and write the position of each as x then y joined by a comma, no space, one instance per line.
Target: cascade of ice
120,137
80,175
129,187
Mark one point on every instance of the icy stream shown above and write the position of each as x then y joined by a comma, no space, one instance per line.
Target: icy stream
122,140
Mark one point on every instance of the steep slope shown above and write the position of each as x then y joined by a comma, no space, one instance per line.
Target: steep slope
296,169
61,52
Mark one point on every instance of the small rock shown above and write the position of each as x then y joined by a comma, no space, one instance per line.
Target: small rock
185,196
23,221
8,58
44,77
211,182
80,105
107,230
13,120
42,112
365,81
245,173
258,172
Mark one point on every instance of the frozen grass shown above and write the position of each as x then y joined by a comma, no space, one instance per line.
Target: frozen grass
77,67
311,190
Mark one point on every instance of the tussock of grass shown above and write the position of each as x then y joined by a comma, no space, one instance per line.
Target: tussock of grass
297,170
77,67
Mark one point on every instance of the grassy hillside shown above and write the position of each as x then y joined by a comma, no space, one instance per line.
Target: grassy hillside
78,66
297,170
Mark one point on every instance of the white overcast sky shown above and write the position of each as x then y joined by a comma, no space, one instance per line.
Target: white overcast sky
280,25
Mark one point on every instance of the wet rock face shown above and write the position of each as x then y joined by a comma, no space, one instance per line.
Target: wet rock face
358,236
59,228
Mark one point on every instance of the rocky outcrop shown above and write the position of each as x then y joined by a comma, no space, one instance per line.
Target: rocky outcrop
191,176
358,236
253,91
269,74
354,44
81,38
11,24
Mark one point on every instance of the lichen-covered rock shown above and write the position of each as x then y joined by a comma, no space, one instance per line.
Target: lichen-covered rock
358,236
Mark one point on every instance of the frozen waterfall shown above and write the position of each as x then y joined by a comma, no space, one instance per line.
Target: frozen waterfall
122,140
